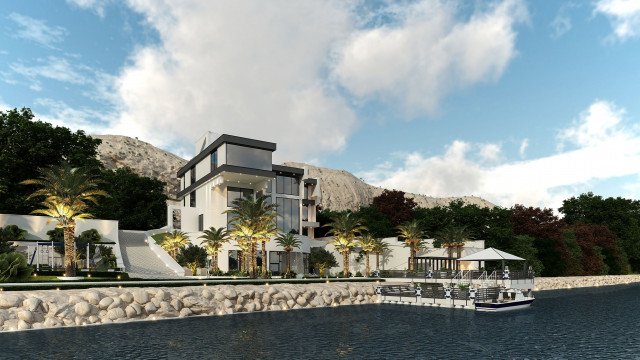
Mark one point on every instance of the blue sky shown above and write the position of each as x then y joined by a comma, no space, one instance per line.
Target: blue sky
515,101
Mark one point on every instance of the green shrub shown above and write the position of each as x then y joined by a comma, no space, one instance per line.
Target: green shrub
236,273
14,267
358,274
8,235
341,275
289,275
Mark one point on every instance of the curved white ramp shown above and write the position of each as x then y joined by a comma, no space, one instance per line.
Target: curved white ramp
139,260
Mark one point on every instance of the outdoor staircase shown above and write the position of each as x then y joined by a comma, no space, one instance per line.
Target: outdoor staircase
139,260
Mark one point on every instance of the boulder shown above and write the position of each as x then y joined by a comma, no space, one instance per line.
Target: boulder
82,308
26,316
104,303
219,296
126,297
117,302
140,296
161,295
10,301
74,299
206,293
150,308
177,304
92,297
31,304
130,311
185,312
184,293
230,294
23,325
137,308
116,313
301,301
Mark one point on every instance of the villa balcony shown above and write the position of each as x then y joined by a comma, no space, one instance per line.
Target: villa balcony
308,202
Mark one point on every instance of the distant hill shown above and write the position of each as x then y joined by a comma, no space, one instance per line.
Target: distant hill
341,190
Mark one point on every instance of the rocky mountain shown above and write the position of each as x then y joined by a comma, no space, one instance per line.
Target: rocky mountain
340,189
117,151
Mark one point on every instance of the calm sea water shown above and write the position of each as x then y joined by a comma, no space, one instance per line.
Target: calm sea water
568,324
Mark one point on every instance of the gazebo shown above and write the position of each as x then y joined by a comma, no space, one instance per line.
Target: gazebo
491,254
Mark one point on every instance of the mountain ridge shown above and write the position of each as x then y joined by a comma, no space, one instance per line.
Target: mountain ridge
341,190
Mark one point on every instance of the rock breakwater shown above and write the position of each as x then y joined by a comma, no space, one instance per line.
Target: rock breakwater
23,310
570,282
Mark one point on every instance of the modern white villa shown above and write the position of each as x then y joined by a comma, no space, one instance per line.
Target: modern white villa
226,168
229,167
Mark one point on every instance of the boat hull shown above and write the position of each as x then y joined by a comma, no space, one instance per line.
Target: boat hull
505,306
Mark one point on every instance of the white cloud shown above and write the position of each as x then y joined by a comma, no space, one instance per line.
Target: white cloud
561,25
429,51
490,152
523,147
544,181
624,16
253,69
59,113
278,71
53,68
97,6
37,30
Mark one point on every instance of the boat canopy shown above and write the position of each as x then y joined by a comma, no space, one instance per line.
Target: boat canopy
490,254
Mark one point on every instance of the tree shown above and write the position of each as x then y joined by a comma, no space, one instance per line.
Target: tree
252,221
367,244
345,228
14,267
412,236
91,237
192,257
8,235
377,223
621,216
288,242
137,202
213,240
523,246
28,145
67,192
395,205
379,248
174,241
453,238
322,259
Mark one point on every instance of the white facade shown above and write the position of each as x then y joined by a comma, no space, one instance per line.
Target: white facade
228,167
396,258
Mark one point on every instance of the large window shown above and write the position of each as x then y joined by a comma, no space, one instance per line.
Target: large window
234,193
288,214
201,222
192,198
214,160
248,157
287,185
193,175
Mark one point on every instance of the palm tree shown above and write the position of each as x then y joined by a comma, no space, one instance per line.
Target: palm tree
379,248
454,238
252,221
367,244
268,230
174,241
412,235
289,242
213,239
345,228
67,193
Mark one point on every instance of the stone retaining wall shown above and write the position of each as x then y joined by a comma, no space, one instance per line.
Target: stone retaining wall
22,310
552,283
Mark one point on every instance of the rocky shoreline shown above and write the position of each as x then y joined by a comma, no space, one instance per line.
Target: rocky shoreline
24,310
571,282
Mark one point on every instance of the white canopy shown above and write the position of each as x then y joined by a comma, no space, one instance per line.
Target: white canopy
489,255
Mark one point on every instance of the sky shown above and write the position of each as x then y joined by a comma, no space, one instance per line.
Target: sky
527,102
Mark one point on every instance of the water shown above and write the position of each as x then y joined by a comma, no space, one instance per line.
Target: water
566,324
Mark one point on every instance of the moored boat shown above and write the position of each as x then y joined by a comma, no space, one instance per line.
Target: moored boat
508,299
